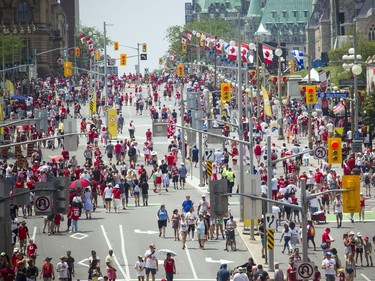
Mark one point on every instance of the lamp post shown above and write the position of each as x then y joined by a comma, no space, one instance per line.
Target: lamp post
351,64
278,53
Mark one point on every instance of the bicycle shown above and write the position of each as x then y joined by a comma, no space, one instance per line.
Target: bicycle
230,240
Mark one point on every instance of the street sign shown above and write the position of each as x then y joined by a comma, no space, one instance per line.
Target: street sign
331,95
357,146
320,152
305,270
143,56
271,221
252,208
43,204
91,90
351,81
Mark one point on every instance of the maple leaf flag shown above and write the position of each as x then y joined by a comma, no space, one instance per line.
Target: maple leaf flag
171,57
267,54
82,38
189,35
219,47
244,51
183,39
232,53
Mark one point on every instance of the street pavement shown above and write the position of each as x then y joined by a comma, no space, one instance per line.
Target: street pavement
131,231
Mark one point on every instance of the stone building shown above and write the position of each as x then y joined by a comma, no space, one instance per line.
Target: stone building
332,21
43,26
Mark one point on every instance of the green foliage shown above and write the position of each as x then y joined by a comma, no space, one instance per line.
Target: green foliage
97,38
368,110
12,46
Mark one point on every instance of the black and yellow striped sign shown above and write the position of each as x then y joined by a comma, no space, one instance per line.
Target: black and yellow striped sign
270,239
209,167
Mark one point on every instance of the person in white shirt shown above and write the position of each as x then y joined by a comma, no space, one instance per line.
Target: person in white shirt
329,266
140,268
62,269
108,197
151,263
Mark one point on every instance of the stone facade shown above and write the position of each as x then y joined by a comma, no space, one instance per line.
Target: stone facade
47,22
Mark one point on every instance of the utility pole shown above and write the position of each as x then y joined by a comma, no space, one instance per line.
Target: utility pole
105,88
183,152
269,205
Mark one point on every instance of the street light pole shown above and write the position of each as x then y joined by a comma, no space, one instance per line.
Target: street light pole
355,82
105,88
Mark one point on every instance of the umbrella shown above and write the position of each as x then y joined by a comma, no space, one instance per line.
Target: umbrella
79,183
44,168
57,157
162,253
18,97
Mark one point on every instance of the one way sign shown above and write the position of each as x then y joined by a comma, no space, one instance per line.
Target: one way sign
271,221
143,56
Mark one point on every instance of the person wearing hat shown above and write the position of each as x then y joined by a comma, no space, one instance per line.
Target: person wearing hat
62,269
116,196
327,239
329,266
151,262
367,248
359,248
47,271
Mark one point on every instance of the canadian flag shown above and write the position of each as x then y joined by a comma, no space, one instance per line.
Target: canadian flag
171,57
208,42
244,51
219,47
232,52
183,39
189,35
82,38
267,54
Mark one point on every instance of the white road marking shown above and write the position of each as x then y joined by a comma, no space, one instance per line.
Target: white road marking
34,233
124,252
114,256
84,262
366,278
191,264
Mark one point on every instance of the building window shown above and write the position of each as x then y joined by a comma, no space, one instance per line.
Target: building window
23,12
273,14
284,14
306,13
295,13
371,33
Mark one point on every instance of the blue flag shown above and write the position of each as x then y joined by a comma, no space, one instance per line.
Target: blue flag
298,55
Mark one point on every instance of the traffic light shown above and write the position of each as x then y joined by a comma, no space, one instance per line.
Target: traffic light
180,70
311,97
77,52
225,92
68,70
351,198
334,151
61,195
97,55
144,48
218,198
123,59
160,61
183,48
115,45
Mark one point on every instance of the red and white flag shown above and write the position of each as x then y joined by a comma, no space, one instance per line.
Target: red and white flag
183,39
189,35
244,51
338,107
267,54
219,47
232,52
171,57
82,38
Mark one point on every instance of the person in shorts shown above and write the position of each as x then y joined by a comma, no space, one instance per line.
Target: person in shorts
151,263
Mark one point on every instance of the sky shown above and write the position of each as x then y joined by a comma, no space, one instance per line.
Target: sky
132,22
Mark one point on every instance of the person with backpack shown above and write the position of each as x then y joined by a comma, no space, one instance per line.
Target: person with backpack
366,178
311,233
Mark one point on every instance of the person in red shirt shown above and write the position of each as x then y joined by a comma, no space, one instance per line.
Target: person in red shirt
291,272
258,152
7,272
148,135
23,234
170,160
19,183
91,136
327,239
57,222
118,152
116,195
77,172
169,267
325,197
318,177
73,216
31,250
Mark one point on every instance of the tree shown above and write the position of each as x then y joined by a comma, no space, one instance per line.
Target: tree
12,46
97,38
368,110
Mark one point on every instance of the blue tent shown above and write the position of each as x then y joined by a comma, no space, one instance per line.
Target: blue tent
18,97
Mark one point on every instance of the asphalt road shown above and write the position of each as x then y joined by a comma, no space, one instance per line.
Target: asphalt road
130,232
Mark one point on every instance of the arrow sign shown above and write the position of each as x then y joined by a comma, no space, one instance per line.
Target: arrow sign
149,232
271,221
210,260
143,56
84,262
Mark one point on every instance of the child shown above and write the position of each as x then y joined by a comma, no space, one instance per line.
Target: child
140,268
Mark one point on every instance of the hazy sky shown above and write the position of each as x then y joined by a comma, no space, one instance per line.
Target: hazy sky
135,21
